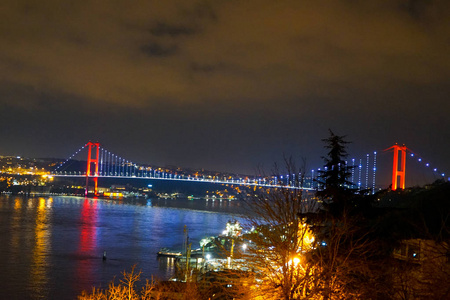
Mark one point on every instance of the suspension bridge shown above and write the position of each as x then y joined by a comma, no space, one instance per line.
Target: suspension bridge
102,163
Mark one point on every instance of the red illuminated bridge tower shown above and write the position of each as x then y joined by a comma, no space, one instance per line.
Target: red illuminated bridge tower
398,172
94,161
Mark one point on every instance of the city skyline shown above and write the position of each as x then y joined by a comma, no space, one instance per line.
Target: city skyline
228,86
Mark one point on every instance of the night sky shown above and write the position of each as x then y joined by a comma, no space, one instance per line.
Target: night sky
228,85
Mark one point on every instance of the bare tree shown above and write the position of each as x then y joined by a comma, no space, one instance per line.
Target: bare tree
302,251
127,289
280,241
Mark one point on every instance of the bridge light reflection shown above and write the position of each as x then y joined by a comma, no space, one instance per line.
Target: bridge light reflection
42,240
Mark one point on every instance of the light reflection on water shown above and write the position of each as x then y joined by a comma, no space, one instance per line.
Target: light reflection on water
42,244
52,248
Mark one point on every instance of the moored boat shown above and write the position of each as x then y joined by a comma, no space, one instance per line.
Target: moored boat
168,252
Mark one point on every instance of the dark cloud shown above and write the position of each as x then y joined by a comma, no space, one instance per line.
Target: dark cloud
156,49
290,46
163,29
417,8
202,10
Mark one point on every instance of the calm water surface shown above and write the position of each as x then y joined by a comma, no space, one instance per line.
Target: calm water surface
52,248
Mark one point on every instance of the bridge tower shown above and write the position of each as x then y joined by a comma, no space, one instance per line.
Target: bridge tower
398,174
94,161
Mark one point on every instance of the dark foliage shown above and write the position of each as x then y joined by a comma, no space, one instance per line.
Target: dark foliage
420,212
335,189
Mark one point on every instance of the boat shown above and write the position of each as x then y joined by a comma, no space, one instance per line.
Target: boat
166,252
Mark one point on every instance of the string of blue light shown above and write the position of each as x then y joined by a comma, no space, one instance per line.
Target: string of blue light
111,164
427,165
70,157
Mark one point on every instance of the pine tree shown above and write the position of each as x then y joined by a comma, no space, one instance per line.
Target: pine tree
334,184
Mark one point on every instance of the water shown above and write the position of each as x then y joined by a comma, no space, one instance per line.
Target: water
52,248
